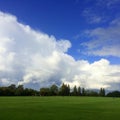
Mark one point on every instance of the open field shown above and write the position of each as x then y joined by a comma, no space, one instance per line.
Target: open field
59,108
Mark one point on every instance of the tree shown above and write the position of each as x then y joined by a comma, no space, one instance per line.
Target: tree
68,89
75,93
12,86
113,94
54,90
83,91
79,91
91,93
102,92
11,90
4,91
19,90
64,90
44,91
30,92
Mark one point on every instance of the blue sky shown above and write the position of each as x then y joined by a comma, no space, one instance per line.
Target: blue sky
81,31
67,19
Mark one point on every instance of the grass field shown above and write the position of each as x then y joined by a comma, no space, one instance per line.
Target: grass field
59,108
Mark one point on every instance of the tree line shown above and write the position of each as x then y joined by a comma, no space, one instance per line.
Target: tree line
12,90
54,90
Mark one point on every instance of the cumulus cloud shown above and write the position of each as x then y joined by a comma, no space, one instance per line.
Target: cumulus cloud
104,41
35,59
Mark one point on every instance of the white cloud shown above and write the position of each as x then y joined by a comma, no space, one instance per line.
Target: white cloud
100,11
108,3
35,59
91,17
104,41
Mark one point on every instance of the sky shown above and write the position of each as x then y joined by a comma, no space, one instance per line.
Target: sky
45,42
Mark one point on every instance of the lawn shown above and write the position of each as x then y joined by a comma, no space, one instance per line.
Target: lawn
59,108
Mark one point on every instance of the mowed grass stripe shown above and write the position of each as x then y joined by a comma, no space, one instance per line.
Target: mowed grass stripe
59,108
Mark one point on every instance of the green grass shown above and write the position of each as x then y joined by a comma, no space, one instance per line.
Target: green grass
59,108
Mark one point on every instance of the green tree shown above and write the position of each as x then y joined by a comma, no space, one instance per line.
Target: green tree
75,93
44,91
54,90
64,90
11,90
19,90
102,92
79,91
113,94
30,92
68,89
83,91
91,93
